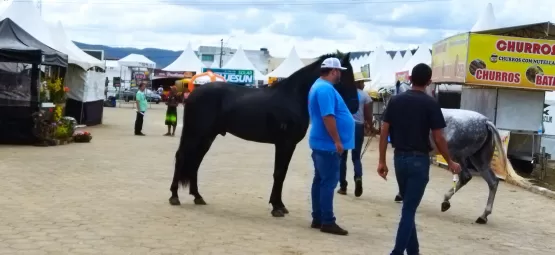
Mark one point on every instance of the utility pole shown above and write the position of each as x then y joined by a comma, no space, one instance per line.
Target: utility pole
39,6
221,51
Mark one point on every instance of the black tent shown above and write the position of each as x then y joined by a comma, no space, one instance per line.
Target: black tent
19,88
18,46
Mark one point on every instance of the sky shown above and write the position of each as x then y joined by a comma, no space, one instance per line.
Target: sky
313,27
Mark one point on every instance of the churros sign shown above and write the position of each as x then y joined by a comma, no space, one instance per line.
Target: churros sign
511,62
449,59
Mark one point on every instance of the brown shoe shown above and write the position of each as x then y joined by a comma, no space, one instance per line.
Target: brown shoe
342,191
333,229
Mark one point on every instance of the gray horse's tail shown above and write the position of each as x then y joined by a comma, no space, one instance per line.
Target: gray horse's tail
512,176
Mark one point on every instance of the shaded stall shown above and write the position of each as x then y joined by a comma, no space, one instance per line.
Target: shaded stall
20,57
505,73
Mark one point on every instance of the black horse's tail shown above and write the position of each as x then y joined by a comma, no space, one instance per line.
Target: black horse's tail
183,173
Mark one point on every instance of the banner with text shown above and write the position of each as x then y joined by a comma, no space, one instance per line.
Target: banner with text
511,62
233,75
497,163
158,73
449,59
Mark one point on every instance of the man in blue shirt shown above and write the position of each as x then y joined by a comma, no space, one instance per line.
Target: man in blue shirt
332,132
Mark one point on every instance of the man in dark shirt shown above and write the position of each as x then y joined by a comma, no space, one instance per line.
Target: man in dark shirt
408,119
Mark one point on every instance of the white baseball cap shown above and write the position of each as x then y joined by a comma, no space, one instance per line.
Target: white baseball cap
332,63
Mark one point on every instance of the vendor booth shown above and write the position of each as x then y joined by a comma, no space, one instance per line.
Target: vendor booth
505,73
20,57
140,69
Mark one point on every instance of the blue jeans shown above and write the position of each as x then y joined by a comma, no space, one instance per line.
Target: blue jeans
413,173
355,155
326,176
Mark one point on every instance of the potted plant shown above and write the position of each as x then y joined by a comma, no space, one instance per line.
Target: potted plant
82,137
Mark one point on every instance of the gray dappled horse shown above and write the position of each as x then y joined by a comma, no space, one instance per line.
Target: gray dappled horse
472,139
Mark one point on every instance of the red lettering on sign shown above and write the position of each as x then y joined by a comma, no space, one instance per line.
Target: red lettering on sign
525,47
545,80
497,76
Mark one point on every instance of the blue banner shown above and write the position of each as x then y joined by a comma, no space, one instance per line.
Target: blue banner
233,75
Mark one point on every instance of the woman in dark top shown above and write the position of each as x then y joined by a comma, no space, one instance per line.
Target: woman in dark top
171,112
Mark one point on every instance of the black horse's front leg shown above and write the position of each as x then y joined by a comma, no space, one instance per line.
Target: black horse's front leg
284,153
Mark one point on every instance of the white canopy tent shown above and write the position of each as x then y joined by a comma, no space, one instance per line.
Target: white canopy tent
241,62
86,85
382,71
407,57
422,55
486,20
186,62
398,62
290,65
136,60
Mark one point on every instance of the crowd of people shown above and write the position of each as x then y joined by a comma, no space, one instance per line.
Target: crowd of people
408,120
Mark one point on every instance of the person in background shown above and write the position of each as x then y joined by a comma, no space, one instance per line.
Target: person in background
332,131
364,114
140,100
171,112
408,119
160,90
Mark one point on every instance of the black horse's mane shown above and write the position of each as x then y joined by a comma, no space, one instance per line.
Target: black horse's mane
301,73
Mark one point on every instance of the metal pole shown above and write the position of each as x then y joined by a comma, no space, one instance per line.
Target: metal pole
221,51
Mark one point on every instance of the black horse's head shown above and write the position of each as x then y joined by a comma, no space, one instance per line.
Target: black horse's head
302,80
347,87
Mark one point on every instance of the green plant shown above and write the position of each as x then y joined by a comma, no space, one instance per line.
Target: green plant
56,90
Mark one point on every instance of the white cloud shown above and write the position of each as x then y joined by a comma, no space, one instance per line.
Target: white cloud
313,30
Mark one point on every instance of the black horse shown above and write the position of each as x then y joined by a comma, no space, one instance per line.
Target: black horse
276,115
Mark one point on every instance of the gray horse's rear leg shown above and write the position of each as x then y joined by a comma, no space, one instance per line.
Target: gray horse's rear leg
493,182
464,177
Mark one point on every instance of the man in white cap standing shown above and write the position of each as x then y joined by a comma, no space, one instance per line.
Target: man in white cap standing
332,132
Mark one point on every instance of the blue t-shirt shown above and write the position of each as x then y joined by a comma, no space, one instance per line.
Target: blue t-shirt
324,100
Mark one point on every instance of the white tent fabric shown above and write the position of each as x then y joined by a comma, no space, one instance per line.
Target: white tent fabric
383,74
422,55
26,15
84,86
85,58
187,61
290,65
136,60
241,62
407,57
486,20
397,62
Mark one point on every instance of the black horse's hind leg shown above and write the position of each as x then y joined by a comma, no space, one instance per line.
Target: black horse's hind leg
284,153
464,177
201,151
179,160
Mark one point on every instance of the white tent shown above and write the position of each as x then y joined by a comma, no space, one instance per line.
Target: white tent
398,62
187,61
407,57
486,20
26,15
76,56
382,72
422,55
136,60
290,65
241,62
86,86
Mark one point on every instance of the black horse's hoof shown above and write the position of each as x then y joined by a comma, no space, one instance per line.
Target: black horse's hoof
481,221
398,199
278,213
284,210
199,201
445,206
174,201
